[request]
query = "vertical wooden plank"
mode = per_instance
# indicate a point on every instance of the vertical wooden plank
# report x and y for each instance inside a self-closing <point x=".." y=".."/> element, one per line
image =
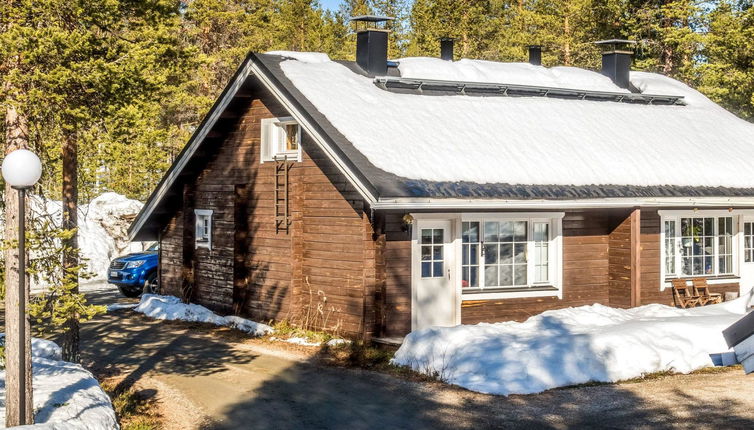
<point x="296" y="229"/>
<point x="188" y="284"/>
<point x="636" y="258"/>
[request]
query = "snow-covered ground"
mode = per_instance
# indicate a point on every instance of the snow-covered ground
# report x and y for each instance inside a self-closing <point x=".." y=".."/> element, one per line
<point x="66" y="397"/>
<point x="103" y="228"/>
<point x="171" y="308"/>
<point x="571" y="346"/>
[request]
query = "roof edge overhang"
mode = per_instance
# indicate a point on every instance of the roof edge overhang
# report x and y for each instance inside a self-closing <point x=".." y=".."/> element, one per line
<point x="618" y="202"/>
<point x="251" y="66"/>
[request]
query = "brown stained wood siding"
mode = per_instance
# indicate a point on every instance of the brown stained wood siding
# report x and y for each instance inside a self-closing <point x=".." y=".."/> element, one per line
<point x="328" y="254"/>
<point x="620" y="265"/>
<point x="171" y="256"/>
<point x="395" y="315"/>
<point x="333" y="247"/>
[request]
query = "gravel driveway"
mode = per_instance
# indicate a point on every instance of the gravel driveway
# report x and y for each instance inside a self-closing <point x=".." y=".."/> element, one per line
<point x="206" y="380"/>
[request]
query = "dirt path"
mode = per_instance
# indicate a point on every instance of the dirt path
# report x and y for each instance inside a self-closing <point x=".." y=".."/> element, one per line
<point x="206" y="379"/>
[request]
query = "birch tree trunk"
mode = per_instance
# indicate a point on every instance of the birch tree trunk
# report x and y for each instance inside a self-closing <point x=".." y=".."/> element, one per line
<point x="16" y="138"/>
<point x="71" y="257"/>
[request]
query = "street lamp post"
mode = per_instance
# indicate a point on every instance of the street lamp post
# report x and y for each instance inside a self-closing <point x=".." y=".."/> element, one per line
<point x="21" y="170"/>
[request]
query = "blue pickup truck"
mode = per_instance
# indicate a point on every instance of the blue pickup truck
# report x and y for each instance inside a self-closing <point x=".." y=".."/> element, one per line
<point x="135" y="273"/>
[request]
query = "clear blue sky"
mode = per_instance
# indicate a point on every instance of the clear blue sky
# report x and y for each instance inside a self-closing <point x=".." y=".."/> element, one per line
<point x="330" y="4"/>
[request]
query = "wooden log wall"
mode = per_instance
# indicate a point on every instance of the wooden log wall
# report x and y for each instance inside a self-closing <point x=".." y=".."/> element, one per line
<point x="171" y="256"/>
<point x="619" y="283"/>
<point x="325" y="271"/>
<point x="395" y="315"/>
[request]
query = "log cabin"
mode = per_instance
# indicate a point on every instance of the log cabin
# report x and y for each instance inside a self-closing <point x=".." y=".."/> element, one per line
<point x="377" y="197"/>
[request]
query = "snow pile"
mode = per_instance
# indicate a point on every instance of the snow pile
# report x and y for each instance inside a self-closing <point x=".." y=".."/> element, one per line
<point x="509" y="139"/>
<point x="41" y="348"/>
<point x="103" y="227"/>
<point x="121" y="306"/>
<point x="571" y="346"/>
<point x="171" y="308"/>
<point x="66" y="397"/>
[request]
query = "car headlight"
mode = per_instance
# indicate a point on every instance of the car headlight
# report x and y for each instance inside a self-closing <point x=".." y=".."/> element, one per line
<point x="135" y="263"/>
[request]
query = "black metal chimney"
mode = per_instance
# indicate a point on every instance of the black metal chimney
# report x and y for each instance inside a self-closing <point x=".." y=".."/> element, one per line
<point x="535" y="55"/>
<point x="616" y="60"/>
<point x="371" y="44"/>
<point x="446" y="48"/>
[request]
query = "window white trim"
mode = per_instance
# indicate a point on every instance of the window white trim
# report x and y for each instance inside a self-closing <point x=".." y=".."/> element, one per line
<point x="272" y="138"/>
<point x="555" y="256"/>
<point x="203" y="228"/>
<point x="737" y="245"/>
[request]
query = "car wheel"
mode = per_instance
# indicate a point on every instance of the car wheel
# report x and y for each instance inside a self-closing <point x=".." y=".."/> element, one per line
<point x="151" y="286"/>
<point x="129" y="291"/>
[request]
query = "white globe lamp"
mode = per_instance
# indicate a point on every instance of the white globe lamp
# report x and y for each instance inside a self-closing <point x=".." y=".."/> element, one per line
<point x="22" y="169"/>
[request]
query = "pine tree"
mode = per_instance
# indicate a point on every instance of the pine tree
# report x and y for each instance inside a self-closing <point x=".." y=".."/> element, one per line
<point x="726" y="74"/>
<point x="83" y="62"/>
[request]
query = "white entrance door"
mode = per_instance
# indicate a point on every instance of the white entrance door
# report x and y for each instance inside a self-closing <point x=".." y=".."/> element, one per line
<point x="747" y="262"/>
<point x="434" y="296"/>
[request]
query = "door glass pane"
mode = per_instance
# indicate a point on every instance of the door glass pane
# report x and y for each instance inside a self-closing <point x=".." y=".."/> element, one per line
<point x="437" y="271"/>
<point x="426" y="269"/>
<point x="432" y="252"/>
<point x="426" y="235"/>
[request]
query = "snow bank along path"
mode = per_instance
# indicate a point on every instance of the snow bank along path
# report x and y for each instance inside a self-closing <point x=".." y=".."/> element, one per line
<point x="571" y="346"/>
<point x="66" y="397"/>
<point x="171" y="308"/>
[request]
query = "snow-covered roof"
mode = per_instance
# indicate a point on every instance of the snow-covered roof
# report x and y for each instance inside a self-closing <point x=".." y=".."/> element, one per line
<point x="410" y="148"/>
<point x="528" y="140"/>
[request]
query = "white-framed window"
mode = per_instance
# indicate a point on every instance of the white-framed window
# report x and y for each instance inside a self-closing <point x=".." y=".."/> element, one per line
<point x="203" y="230"/>
<point x="281" y="138"/>
<point x="698" y="244"/>
<point x="504" y="252"/>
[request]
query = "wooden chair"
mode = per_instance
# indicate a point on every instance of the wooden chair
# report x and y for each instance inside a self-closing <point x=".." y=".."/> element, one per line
<point x="701" y="289"/>
<point x="682" y="296"/>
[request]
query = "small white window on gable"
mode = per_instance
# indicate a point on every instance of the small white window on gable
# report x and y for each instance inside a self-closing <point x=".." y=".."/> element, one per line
<point x="281" y="139"/>
<point x="203" y="237"/>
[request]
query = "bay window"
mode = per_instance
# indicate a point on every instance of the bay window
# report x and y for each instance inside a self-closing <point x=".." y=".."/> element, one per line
<point x="698" y="245"/>
<point x="500" y="253"/>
